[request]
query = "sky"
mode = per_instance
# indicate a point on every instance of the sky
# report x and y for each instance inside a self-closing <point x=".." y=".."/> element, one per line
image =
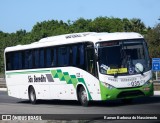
<point x="24" y="14"/>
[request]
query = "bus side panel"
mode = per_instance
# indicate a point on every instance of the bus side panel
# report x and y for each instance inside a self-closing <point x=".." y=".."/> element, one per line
<point x="57" y="83"/>
<point x="70" y="77"/>
<point x="64" y="92"/>
<point x="42" y="91"/>
<point x="23" y="91"/>
<point x="13" y="91"/>
<point x="17" y="85"/>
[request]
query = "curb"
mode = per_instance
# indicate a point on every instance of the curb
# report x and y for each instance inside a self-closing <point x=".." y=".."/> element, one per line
<point x="3" y="89"/>
<point x="156" y="93"/>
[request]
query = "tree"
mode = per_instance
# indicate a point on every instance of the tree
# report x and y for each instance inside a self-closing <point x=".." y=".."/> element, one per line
<point x="105" y="24"/>
<point x="153" y="39"/>
<point x="80" y="25"/>
<point x="138" y="26"/>
<point x="99" y="24"/>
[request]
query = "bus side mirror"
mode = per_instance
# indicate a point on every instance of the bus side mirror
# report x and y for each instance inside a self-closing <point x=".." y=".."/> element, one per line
<point x="150" y="62"/>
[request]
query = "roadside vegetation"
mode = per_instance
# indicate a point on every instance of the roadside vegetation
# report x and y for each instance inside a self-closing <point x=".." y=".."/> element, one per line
<point x="99" y="24"/>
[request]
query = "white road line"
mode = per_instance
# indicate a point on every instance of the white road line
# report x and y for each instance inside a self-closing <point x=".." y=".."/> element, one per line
<point x="3" y="89"/>
<point x="156" y="92"/>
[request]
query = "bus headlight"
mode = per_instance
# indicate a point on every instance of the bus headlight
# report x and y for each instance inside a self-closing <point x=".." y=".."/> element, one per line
<point x="151" y="81"/>
<point x="148" y="82"/>
<point x="107" y="85"/>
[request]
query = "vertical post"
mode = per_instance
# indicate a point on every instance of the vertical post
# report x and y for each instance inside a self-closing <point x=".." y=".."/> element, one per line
<point x="156" y="76"/>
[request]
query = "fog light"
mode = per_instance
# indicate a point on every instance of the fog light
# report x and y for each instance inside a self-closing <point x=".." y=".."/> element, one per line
<point x="146" y="89"/>
<point x="151" y="81"/>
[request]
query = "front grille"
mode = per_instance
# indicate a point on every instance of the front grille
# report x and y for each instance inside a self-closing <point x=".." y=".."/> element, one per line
<point x="130" y="94"/>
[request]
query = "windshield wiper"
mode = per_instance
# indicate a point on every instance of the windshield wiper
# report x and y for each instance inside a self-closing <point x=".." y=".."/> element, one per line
<point x="116" y="74"/>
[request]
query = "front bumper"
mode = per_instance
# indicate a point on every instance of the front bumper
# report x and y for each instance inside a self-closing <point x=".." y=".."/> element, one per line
<point x="126" y="93"/>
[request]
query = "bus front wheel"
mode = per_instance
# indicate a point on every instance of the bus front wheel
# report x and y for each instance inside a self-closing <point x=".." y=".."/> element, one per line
<point x="32" y="95"/>
<point x="83" y="96"/>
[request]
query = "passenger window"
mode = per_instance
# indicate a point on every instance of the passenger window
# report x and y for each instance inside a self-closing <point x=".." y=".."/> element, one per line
<point x="81" y="51"/>
<point x="14" y="61"/>
<point x="41" y="58"/>
<point x="9" y="61"/>
<point x="48" y="57"/>
<point x="63" y="56"/>
<point x="36" y="58"/>
<point x="54" y="60"/>
<point x="26" y="60"/>
<point x="74" y="53"/>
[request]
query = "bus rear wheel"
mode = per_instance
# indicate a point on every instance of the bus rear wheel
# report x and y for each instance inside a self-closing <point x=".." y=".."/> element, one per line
<point x="32" y="95"/>
<point x="83" y="96"/>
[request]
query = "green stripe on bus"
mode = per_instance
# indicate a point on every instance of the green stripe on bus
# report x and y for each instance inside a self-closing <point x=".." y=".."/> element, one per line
<point x="63" y="76"/>
<point x="70" y="79"/>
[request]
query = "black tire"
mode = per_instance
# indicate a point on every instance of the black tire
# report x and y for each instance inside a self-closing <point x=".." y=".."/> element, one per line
<point x="82" y="94"/>
<point x="32" y="95"/>
<point x="127" y="101"/>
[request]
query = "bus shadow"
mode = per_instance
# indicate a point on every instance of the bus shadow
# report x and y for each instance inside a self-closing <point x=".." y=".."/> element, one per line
<point x="115" y="103"/>
<point x="53" y="102"/>
<point x="136" y="101"/>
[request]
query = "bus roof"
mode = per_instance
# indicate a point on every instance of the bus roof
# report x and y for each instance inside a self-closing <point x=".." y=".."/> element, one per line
<point x="76" y="38"/>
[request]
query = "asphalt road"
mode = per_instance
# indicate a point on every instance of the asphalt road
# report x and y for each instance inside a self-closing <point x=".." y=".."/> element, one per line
<point x="10" y="105"/>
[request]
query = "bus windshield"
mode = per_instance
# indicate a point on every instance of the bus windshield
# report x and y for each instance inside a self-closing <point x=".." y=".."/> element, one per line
<point x="124" y="57"/>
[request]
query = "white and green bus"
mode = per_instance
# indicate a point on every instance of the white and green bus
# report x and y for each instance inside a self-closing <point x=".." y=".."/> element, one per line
<point x="85" y="66"/>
